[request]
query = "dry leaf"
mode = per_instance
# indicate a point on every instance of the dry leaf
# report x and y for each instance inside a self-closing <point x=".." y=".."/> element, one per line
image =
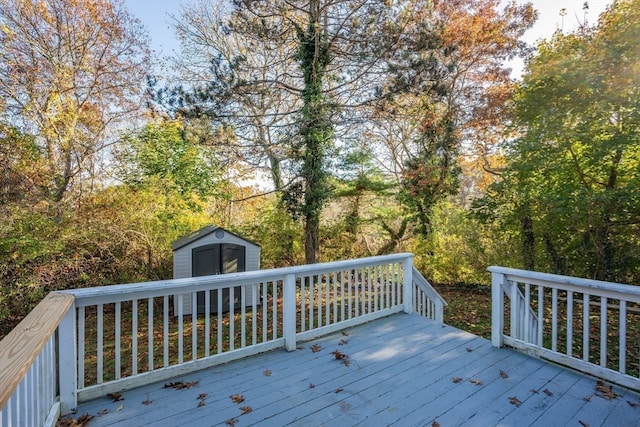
<point x="475" y="381"/>
<point x="316" y="348"/>
<point x="469" y="349"/>
<point x="514" y="401"/>
<point x="179" y="385"/>
<point x="338" y="390"/>
<point x="345" y="333"/>
<point x="266" y="373"/>
<point x="237" y="398"/>
<point x="343" y="342"/>
<point x="116" y="396"/>
<point x="75" y="422"/>
<point x="582" y="423"/>
<point x="119" y="408"/>
<point x="246" y="409"/>
<point x="202" y="396"/>
<point x="547" y="392"/>
<point x="456" y="379"/>
<point x="346" y="363"/>
<point x="103" y="412"/>
<point x="633" y="404"/>
<point x="339" y="356"/>
<point x="503" y="374"/>
<point x="312" y="385"/>
<point x="435" y="424"/>
<point x="587" y="398"/>
<point x="231" y="422"/>
<point x="201" y="404"/>
<point x="605" y="391"/>
<point x="147" y="402"/>
<point x="534" y="391"/>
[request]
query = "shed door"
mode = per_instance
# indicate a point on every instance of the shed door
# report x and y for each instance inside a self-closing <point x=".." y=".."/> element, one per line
<point x="218" y="258"/>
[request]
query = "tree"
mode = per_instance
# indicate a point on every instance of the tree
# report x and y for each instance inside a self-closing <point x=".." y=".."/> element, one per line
<point x="573" y="179"/>
<point x="70" y="72"/>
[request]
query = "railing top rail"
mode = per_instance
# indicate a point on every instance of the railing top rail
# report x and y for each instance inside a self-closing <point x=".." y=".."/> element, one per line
<point x="426" y="286"/>
<point x="161" y="287"/>
<point x="20" y="348"/>
<point x="594" y="285"/>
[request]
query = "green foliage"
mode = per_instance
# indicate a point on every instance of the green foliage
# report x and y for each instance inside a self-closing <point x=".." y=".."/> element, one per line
<point x="162" y="152"/>
<point x="571" y="190"/>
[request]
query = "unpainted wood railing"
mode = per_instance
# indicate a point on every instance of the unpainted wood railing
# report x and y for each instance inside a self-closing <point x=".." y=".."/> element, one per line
<point x="588" y="325"/>
<point x="118" y="337"/>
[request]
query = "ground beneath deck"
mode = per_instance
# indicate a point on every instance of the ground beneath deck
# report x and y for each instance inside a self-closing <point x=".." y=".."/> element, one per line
<point x="401" y="370"/>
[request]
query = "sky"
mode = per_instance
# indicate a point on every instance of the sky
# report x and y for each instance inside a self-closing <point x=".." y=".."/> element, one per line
<point x="155" y="16"/>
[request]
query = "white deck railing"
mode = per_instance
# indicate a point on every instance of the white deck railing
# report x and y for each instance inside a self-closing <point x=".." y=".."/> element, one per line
<point x="118" y="337"/>
<point x="588" y="325"/>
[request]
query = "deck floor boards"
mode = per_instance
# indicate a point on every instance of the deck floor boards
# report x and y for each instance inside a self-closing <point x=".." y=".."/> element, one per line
<point x="400" y="372"/>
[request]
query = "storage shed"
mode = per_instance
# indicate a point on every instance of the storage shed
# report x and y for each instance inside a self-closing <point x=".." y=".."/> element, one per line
<point x="213" y="250"/>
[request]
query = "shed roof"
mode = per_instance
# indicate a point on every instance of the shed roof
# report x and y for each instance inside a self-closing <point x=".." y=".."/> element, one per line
<point x="204" y="231"/>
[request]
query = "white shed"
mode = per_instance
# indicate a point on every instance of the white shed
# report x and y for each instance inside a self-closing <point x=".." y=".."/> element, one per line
<point x="213" y="250"/>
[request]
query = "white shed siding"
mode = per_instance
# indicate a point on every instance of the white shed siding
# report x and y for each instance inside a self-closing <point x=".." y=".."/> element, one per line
<point x="182" y="259"/>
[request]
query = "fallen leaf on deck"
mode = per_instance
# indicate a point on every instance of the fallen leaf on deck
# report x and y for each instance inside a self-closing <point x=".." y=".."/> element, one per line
<point x="74" y="422"/>
<point x="456" y="379"/>
<point x="338" y="390"/>
<point x="475" y="381"/>
<point x="515" y="401"/>
<point x="435" y="424"/>
<point x="147" y="402"/>
<point x="605" y="391"/>
<point x="503" y="374"/>
<point x="547" y="392"/>
<point x="339" y="356"/>
<point x="202" y="396"/>
<point x="343" y="342"/>
<point x="201" y="404"/>
<point x="231" y="422"/>
<point x="116" y="396"/>
<point x="312" y="385"/>
<point x="534" y="391"/>
<point x="633" y="404"/>
<point x="469" y="349"/>
<point x="246" y="409"/>
<point x="587" y="398"/>
<point x="346" y="363"/>
<point x="266" y="373"/>
<point x="316" y="348"/>
<point x="345" y="333"/>
<point x="582" y="423"/>
<point x="237" y="398"/>
<point x="119" y="408"/>
<point x="103" y="412"/>
<point x="179" y="385"/>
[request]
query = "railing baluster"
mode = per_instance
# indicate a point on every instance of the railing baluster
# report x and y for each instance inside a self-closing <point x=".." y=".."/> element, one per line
<point x="275" y="309"/>
<point x="369" y="291"/>
<point x="99" y="343"/>
<point x="207" y="323"/>
<point x="540" y="314"/>
<point x="232" y="318"/>
<point x="311" y="301"/>
<point x="303" y="298"/>
<point x="603" y="331"/>
<point x="181" y="327"/>
<point x="622" y="352"/>
<point x="586" y="330"/>
<point x="194" y="323"/>
<point x="569" y="323"/>
<point x="118" y="319"/>
<point x="334" y="281"/>
<point x="376" y="287"/>
<point x="342" y="299"/>
<point x="327" y="297"/>
<point x="150" y="333"/>
<point x="81" y="338"/>
<point x="254" y="309"/>
<point x="134" y="337"/>
<point x="526" y="311"/>
<point x="319" y="285"/>
<point x="554" y="319"/>
<point x="220" y="331"/>
<point x="243" y="317"/>
<point x="165" y="321"/>
<point x="265" y="312"/>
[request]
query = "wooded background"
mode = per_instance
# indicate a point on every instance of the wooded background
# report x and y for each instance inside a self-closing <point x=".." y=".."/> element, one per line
<point x="320" y="129"/>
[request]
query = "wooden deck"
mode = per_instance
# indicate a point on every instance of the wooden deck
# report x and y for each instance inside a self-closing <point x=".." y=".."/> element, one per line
<point x="401" y="370"/>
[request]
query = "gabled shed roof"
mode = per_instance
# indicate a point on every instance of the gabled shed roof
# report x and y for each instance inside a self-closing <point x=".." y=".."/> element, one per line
<point x="204" y="231"/>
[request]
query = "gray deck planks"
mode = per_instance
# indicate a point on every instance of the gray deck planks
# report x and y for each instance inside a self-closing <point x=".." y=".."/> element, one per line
<point x="400" y="374"/>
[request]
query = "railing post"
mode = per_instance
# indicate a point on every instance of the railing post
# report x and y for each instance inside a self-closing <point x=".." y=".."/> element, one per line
<point x="407" y="291"/>
<point x="439" y="315"/>
<point x="289" y="315"/>
<point x="68" y="362"/>
<point x="497" y="309"/>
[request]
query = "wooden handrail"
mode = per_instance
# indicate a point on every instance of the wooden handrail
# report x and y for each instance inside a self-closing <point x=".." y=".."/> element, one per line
<point x="20" y="348"/>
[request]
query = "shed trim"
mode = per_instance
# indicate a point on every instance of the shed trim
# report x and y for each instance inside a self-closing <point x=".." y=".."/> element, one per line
<point x="204" y="231"/>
